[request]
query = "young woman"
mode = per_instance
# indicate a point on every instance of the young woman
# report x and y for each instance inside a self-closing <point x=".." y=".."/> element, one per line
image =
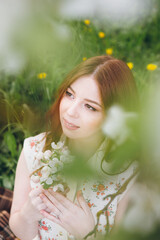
<point x="76" y="118"/>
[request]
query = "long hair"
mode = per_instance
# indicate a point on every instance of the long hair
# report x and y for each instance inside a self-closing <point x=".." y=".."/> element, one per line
<point x="116" y="84"/>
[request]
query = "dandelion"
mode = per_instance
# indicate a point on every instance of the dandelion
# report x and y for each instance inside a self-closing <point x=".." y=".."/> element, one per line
<point x="130" y="65"/>
<point x="41" y="75"/>
<point x="101" y="34"/>
<point x="151" y="67"/>
<point x="87" y="22"/>
<point x="84" y="58"/>
<point x="109" y="51"/>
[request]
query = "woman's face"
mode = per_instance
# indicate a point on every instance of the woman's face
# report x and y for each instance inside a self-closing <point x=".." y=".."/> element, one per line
<point x="81" y="109"/>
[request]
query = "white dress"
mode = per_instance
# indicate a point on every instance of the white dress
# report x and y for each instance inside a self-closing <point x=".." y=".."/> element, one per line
<point x="93" y="190"/>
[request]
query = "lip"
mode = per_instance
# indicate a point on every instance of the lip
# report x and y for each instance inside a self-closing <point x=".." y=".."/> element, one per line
<point x="72" y="125"/>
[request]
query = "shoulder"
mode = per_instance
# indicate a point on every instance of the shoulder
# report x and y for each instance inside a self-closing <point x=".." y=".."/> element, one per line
<point x="33" y="141"/>
<point x="31" y="146"/>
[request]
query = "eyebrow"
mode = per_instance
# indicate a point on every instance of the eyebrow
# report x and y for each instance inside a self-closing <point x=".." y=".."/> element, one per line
<point x="89" y="100"/>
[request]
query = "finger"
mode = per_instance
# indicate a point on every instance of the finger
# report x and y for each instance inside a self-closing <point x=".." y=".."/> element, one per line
<point x="52" y="202"/>
<point x="62" y="199"/>
<point x="50" y="206"/>
<point x="36" y="192"/>
<point x="36" y="201"/>
<point x="42" y="207"/>
<point x="82" y="202"/>
<point x="51" y="217"/>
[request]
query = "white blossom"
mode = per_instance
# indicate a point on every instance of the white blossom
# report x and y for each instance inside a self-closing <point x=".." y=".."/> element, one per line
<point x="39" y="155"/>
<point x="36" y="164"/>
<point x="60" y="144"/>
<point x="55" y="160"/>
<point x="35" y="179"/>
<point x="53" y="145"/>
<point x="143" y="214"/>
<point x="63" y="158"/>
<point x="45" y="171"/>
<point x="49" y="181"/>
<point x="51" y="164"/>
<point x="53" y="169"/>
<point x="60" y="187"/>
<point x="55" y="188"/>
<point x="115" y="125"/>
<point x="54" y="177"/>
<point x="65" y="151"/>
<point x="60" y="165"/>
<point x="47" y="154"/>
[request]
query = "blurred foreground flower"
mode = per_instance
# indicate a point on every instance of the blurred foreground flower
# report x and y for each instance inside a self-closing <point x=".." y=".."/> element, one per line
<point x="41" y="75"/>
<point x="84" y="58"/>
<point x="115" y="125"/>
<point x="101" y="34"/>
<point x="144" y="210"/>
<point x="87" y="22"/>
<point x="109" y="51"/>
<point x="130" y="65"/>
<point x="151" y="67"/>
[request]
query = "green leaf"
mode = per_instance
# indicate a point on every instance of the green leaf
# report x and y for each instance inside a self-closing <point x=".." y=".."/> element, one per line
<point x="7" y="182"/>
<point x="10" y="141"/>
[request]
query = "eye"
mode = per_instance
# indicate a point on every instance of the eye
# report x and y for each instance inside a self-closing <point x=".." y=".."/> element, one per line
<point x="67" y="93"/>
<point x="90" y="107"/>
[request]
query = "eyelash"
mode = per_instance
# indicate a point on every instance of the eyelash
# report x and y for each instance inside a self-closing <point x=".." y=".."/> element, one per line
<point x="88" y="106"/>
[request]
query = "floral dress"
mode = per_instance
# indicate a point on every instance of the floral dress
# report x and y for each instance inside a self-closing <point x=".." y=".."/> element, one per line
<point x="92" y="190"/>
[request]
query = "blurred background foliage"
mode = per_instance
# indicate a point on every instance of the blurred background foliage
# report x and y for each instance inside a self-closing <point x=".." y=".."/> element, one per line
<point x="49" y="46"/>
<point x="41" y="45"/>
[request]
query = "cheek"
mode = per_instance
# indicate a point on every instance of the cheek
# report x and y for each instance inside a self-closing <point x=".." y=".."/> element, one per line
<point x="62" y="106"/>
<point x="93" y="122"/>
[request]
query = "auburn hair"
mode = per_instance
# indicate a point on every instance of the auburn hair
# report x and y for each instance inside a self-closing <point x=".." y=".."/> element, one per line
<point x="116" y="84"/>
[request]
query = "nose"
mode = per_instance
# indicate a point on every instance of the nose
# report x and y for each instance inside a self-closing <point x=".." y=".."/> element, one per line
<point x="72" y="110"/>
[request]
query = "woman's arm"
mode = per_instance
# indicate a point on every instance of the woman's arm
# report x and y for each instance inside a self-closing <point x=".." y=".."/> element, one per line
<point x="26" y="205"/>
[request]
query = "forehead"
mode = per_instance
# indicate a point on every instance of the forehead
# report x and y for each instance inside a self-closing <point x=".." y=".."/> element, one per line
<point x="87" y="87"/>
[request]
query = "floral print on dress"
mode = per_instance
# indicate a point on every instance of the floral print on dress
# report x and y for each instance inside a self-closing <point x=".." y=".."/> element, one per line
<point x="90" y="204"/>
<point x="100" y="189"/>
<point x="93" y="191"/>
<point x="44" y="226"/>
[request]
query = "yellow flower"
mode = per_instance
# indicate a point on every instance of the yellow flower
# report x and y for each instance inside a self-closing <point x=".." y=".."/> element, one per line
<point x="84" y="58"/>
<point x="101" y="34"/>
<point x="151" y="67"/>
<point x="109" y="51"/>
<point x="41" y="75"/>
<point x="87" y="22"/>
<point x="130" y="65"/>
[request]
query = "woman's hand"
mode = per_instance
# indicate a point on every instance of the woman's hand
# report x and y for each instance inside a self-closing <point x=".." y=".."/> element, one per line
<point x="33" y="206"/>
<point x="77" y="220"/>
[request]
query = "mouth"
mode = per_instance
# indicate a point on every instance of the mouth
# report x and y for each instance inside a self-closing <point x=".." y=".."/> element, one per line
<point x="70" y="125"/>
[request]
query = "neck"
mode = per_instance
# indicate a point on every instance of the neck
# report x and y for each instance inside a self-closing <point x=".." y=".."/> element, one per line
<point x="85" y="147"/>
